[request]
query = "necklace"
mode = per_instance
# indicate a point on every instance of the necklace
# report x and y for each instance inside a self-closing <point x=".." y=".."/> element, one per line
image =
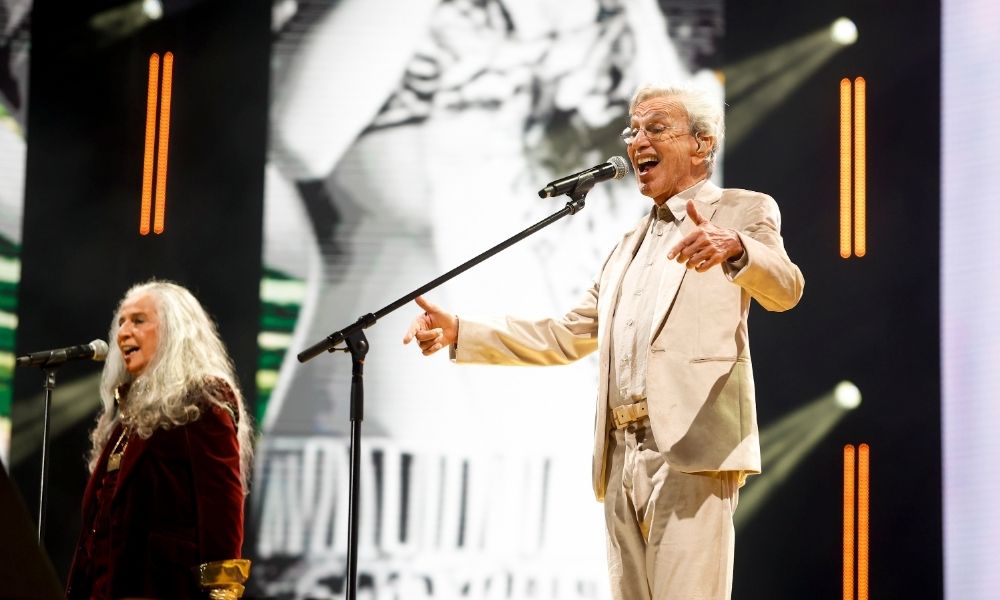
<point x="115" y="458"/>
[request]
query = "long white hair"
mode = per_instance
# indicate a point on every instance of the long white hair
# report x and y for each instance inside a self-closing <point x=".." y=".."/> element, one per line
<point x="189" y="356"/>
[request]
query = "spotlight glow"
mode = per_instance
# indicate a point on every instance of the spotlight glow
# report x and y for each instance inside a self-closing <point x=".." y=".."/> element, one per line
<point x="152" y="9"/>
<point x="847" y="395"/>
<point x="844" y="31"/>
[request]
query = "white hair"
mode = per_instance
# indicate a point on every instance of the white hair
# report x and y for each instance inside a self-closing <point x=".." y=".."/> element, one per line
<point x="704" y="112"/>
<point x="190" y="363"/>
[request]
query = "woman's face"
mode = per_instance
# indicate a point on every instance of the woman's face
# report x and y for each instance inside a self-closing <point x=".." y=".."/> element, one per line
<point x="138" y="332"/>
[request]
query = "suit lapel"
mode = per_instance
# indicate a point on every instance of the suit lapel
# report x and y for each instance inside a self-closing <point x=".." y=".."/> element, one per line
<point x="612" y="282"/>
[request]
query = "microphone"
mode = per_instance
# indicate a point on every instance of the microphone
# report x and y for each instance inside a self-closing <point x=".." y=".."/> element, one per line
<point x="95" y="350"/>
<point x="615" y="168"/>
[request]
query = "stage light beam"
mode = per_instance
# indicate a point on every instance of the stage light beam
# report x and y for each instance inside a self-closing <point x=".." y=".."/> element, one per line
<point x="758" y="85"/>
<point x="786" y="443"/>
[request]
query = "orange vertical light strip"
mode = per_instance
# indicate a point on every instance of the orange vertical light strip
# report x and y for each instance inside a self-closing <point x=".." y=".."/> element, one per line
<point x="845" y="167"/>
<point x="163" y="145"/>
<point x="152" y="91"/>
<point x="864" y="458"/>
<point x="860" y="245"/>
<point x="848" y="522"/>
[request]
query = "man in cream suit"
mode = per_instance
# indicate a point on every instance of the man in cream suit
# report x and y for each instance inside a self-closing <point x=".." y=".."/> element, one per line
<point x="676" y="426"/>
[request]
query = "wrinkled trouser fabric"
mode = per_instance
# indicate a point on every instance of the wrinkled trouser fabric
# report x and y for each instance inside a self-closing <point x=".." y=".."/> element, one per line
<point x="670" y="534"/>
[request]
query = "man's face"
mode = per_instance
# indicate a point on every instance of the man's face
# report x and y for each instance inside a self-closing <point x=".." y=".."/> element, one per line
<point x="668" y="165"/>
<point x="138" y="332"/>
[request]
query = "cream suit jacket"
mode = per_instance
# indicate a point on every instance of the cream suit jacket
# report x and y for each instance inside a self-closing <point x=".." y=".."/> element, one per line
<point x="699" y="381"/>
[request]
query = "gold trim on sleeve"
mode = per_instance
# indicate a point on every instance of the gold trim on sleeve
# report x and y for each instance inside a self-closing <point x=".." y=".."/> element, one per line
<point x="224" y="579"/>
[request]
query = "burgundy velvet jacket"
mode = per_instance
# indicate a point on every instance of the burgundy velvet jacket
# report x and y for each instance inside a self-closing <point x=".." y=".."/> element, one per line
<point x="177" y="502"/>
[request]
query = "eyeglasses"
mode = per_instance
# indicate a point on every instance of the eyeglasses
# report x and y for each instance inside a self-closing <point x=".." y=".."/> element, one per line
<point x="655" y="132"/>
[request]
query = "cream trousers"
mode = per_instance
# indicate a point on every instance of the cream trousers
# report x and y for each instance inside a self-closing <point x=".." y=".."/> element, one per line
<point x="670" y="533"/>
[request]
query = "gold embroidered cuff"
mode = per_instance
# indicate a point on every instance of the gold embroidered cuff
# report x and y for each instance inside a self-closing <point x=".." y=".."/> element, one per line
<point x="224" y="579"/>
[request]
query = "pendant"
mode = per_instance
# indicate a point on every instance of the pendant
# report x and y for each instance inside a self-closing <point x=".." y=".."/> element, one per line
<point x="114" y="461"/>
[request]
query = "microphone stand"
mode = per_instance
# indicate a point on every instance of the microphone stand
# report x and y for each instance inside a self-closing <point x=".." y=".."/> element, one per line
<point x="50" y="362"/>
<point x="356" y="343"/>
<point x="49" y="385"/>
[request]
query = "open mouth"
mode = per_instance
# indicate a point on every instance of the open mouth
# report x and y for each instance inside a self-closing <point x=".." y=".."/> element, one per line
<point x="645" y="164"/>
<point x="129" y="350"/>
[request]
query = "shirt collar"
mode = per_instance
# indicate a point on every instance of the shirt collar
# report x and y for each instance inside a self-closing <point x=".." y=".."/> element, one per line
<point x="675" y="208"/>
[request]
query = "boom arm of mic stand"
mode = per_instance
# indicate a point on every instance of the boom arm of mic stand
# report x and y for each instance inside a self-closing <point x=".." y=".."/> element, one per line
<point x="329" y="343"/>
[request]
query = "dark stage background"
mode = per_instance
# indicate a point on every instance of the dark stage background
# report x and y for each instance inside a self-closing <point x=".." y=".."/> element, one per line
<point x="873" y="321"/>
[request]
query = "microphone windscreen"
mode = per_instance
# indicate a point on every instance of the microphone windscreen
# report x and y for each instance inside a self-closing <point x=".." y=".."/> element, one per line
<point x="621" y="166"/>
<point x="100" y="349"/>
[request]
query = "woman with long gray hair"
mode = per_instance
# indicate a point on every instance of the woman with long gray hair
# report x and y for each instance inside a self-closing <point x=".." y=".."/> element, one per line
<point x="169" y="460"/>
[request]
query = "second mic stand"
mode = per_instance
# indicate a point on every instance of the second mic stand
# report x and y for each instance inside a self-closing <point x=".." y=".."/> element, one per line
<point x="357" y="344"/>
<point x="49" y="385"/>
